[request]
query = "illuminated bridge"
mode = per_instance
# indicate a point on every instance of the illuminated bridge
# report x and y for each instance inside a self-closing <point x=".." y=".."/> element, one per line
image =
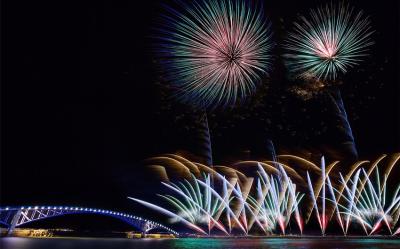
<point x="13" y="217"/>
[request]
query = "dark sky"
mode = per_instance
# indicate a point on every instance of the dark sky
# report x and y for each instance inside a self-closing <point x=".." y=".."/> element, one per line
<point x="80" y="107"/>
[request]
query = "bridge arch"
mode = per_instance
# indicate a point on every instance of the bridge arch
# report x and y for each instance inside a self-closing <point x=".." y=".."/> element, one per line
<point x="13" y="217"/>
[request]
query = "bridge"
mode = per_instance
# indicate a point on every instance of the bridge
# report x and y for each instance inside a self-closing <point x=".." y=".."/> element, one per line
<point x="13" y="217"/>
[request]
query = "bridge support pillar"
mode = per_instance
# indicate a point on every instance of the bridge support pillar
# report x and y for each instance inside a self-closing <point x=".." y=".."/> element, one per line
<point x="14" y="222"/>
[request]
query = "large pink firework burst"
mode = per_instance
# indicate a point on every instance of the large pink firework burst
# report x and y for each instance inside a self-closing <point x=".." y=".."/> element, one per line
<point x="215" y="52"/>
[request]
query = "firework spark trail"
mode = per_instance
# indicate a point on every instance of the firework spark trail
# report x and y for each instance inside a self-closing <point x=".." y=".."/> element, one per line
<point x="190" y="211"/>
<point x="270" y="205"/>
<point x="239" y="195"/>
<point x="276" y="200"/>
<point x="169" y="213"/>
<point x="336" y="206"/>
<point x="396" y="210"/>
<point x="206" y="212"/>
<point x="360" y="197"/>
<point x="329" y="41"/>
<point x="351" y="210"/>
<point x="257" y="203"/>
<point x="397" y="231"/>
<point x="295" y="197"/>
<point x="353" y="169"/>
<point x="215" y="51"/>
<point x="226" y="193"/>
<point x="329" y="210"/>
<point x="314" y="200"/>
<point x="351" y="194"/>
<point x="370" y="170"/>
<point x="323" y="218"/>
<point x="379" y="203"/>
<point x="319" y="191"/>
<point x="231" y="213"/>
<point x="367" y="204"/>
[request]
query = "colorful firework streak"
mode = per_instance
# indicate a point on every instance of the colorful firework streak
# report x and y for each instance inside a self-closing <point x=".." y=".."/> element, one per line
<point x="215" y="52"/>
<point x="271" y="200"/>
<point x="198" y="203"/>
<point x="328" y="42"/>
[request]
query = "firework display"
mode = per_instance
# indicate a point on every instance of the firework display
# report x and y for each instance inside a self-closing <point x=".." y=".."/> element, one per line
<point x="236" y="204"/>
<point x="214" y="52"/>
<point x="201" y="124"/>
<point x="327" y="42"/>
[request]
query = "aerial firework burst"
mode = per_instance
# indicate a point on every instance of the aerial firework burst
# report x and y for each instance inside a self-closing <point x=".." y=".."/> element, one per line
<point x="214" y="52"/>
<point x="329" y="41"/>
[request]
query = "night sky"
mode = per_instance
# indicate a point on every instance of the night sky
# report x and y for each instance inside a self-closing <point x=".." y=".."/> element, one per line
<point x="82" y="105"/>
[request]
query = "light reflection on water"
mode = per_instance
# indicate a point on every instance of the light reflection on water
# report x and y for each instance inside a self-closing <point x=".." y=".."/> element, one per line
<point x="271" y="243"/>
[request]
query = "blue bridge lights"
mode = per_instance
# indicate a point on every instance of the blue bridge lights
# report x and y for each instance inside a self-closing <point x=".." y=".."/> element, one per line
<point x="13" y="217"/>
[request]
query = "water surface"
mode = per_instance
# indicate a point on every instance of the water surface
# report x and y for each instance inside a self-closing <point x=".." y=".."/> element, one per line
<point x="189" y="243"/>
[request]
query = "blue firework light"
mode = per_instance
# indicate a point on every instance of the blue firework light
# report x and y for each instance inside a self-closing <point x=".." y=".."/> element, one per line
<point x="215" y="52"/>
<point x="328" y="42"/>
